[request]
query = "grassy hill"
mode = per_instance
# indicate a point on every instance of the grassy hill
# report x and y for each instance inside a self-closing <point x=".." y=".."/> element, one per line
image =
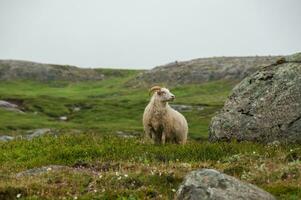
<point x="104" y="106"/>
<point x="90" y="160"/>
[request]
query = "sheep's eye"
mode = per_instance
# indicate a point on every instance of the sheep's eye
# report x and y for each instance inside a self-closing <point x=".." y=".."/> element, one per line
<point x="161" y="92"/>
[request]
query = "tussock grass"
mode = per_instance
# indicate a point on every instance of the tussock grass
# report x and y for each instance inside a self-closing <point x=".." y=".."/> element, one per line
<point x="130" y="168"/>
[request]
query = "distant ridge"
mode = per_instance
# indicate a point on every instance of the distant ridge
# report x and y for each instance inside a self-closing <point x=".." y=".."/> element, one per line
<point x="202" y="70"/>
<point x="26" y="70"/>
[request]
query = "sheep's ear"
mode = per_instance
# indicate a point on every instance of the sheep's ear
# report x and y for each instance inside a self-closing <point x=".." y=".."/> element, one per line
<point x="159" y="92"/>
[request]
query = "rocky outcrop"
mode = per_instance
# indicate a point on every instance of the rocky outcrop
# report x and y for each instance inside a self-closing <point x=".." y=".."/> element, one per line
<point x="24" y="70"/>
<point x="265" y="106"/>
<point x="209" y="184"/>
<point x="203" y="70"/>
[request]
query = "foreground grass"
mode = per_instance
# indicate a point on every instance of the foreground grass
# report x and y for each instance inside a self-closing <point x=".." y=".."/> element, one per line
<point x="111" y="167"/>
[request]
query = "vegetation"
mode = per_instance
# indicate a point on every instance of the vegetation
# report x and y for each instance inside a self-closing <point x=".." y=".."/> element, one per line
<point x="105" y="106"/>
<point x="89" y="161"/>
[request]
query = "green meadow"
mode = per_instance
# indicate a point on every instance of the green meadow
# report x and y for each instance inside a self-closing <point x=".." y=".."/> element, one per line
<point x="89" y="159"/>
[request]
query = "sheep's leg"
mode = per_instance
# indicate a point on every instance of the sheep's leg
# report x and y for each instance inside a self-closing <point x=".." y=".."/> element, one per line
<point x="154" y="137"/>
<point x="149" y="134"/>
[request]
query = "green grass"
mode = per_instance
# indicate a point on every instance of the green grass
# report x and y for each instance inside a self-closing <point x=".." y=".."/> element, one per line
<point x="97" y="165"/>
<point x="106" y="106"/>
<point x="131" y="168"/>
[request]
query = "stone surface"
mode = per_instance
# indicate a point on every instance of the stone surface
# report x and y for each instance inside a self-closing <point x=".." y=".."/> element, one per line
<point x="29" y="135"/>
<point x="24" y="70"/>
<point x="76" y="109"/>
<point x="9" y="106"/>
<point x="126" y="134"/>
<point x="186" y="108"/>
<point x="39" y="132"/>
<point x="41" y="170"/>
<point x="265" y="107"/>
<point x="63" y="118"/>
<point x="209" y="184"/>
<point x="203" y="70"/>
<point x="6" y="138"/>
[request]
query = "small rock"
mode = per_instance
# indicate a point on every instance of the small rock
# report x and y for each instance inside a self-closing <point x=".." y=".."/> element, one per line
<point x="76" y="109"/>
<point x="210" y="184"/>
<point x="126" y="134"/>
<point x="274" y="143"/>
<point x="9" y="106"/>
<point x="186" y="108"/>
<point x="181" y="108"/>
<point x="63" y="118"/>
<point x="41" y="170"/>
<point x="5" y="138"/>
<point x="5" y="104"/>
<point x="39" y="132"/>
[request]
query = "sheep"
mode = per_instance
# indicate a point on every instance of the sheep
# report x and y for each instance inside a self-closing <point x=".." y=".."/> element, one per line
<point x="161" y="122"/>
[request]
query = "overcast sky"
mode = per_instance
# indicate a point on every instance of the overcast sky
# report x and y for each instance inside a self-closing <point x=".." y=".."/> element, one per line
<point x="146" y="33"/>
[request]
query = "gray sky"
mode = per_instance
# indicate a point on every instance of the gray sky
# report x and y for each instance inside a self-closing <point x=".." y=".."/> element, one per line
<point x="146" y="33"/>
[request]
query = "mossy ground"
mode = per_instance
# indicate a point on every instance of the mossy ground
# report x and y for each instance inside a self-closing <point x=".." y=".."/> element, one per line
<point x="98" y="165"/>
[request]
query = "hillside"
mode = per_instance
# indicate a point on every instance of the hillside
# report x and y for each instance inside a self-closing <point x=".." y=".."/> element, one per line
<point x="83" y="140"/>
<point x="203" y="70"/>
<point x="25" y="70"/>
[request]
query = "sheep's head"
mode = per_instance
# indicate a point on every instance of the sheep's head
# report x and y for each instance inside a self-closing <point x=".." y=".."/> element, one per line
<point x="163" y="94"/>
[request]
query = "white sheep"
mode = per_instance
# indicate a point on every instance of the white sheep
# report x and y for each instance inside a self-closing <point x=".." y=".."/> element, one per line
<point x="161" y="122"/>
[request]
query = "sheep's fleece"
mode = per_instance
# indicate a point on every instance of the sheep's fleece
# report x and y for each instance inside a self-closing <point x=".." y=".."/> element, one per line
<point x="161" y="122"/>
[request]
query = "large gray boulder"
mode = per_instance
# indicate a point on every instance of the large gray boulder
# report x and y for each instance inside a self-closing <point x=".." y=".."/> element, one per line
<point x="264" y="107"/>
<point x="209" y="184"/>
<point x="202" y="70"/>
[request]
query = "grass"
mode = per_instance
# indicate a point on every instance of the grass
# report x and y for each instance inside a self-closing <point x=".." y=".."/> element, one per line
<point x="95" y="164"/>
<point x="106" y="106"/>
<point x="112" y="167"/>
